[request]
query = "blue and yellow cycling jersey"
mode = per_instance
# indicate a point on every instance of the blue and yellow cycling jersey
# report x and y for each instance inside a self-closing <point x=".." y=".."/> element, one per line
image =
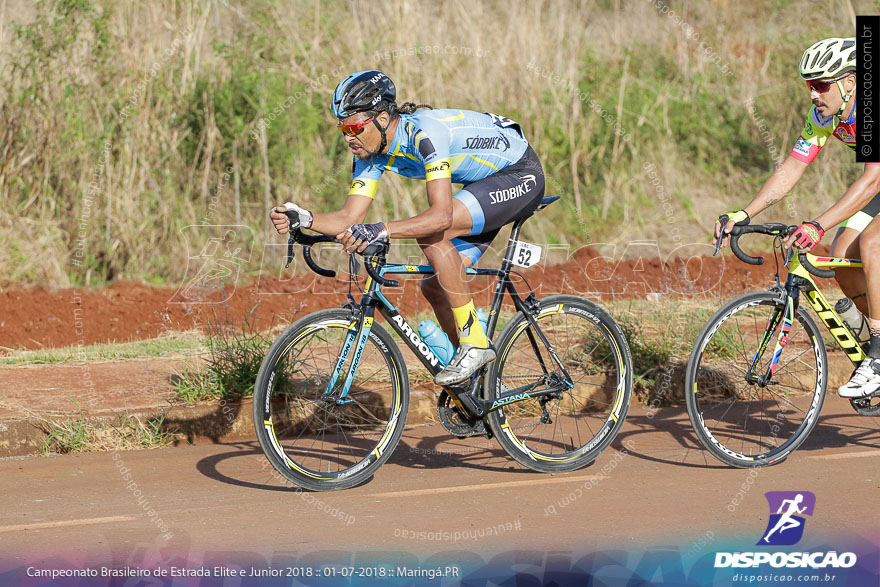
<point x="462" y="145"/>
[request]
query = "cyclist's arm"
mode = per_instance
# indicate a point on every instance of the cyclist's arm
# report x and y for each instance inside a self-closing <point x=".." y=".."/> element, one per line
<point x="352" y="212"/>
<point x="777" y="186"/>
<point x="855" y="198"/>
<point x="364" y="184"/>
<point x="437" y="218"/>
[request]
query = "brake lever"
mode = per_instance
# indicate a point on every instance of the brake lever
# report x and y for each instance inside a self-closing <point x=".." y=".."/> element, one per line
<point x="355" y="265"/>
<point x="723" y="221"/>
<point x="291" y="230"/>
<point x="787" y="256"/>
<point x="290" y="242"/>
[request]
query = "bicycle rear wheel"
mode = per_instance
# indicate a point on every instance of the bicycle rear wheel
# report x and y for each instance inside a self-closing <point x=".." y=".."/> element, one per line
<point x="566" y="430"/>
<point x="308" y="437"/>
<point x="752" y="424"/>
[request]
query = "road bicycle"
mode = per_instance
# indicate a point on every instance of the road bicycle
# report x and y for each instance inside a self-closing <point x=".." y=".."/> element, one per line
<point x="751" y="407"/>
<point x="332" y="394"/>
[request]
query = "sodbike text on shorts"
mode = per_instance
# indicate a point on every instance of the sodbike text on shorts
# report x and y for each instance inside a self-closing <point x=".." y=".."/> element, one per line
<point x="789" y="560"/>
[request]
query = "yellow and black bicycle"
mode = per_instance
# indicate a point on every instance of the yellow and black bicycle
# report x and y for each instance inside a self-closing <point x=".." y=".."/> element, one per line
<point x="332" y="394"/>
<point x="752" y="406"/>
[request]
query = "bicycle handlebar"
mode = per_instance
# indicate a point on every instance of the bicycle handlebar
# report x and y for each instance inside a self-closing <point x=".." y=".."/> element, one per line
<point x="374" y="251"/>
<point x="377" y="251"/>
<point x="774" y="229"/>
<point x="828" y="273"/>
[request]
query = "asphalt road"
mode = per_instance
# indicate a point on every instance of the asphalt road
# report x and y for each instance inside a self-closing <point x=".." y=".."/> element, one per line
<point x="436" y="494"/>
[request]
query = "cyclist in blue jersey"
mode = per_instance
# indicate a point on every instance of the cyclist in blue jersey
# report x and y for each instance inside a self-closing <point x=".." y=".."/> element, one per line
<point x="487" y="154"/>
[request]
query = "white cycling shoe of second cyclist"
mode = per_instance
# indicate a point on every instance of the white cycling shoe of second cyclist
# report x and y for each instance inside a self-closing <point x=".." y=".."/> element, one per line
<point x="467" y="360"/>
<point x="864" y="382"/>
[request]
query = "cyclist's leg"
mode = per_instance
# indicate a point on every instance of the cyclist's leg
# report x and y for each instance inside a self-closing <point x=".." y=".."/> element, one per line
<point x="435" y="287"/>
<point x="450" y="277"/>
<point x="846" y="244"/>
<point x="866" y="379"/>
<point x="870" y="247"/>
<point x="510" y="193"/>
<point x="470" y="249"/>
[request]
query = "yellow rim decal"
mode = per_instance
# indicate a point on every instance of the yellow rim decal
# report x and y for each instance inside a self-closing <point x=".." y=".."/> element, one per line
<point x="289" y="462"/>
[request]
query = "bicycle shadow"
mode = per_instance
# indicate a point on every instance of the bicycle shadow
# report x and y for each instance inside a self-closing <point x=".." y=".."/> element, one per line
<point x="682" y="448"/>
<point x="446" y="451"/>
<point x="671" y="440"/>
<point x="266" y="478"/>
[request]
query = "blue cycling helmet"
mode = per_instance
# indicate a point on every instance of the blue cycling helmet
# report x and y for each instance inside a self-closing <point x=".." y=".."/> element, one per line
<point x="363" y="91"/>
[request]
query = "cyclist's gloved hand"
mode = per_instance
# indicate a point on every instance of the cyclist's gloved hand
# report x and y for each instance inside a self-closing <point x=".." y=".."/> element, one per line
<point x="726" y="222"/>
<point x="806" y="236"/>
<point x="359" y="236"/>
<point x="302" y="217"/>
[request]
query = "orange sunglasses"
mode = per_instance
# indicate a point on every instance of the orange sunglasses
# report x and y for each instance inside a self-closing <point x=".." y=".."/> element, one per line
<point x="353" y="129"/>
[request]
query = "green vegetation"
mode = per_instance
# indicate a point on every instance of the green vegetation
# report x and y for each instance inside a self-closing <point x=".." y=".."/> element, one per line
<point x="235" y="353"/>
<point x="168" y="344"/>
<point x="87" y="434"/>
<point x="123" y="124"/>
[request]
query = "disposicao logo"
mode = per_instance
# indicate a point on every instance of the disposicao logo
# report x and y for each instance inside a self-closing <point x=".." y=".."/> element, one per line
<point x="786" y="528"/>
<point x="787" y="511"/>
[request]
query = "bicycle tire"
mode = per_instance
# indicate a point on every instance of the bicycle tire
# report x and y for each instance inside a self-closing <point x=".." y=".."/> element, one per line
<point x="295" y="426"/>
<point x="601" y="399"/>
<point x="712" y="407"/>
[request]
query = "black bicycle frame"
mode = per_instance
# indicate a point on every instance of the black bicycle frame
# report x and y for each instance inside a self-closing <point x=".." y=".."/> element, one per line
<point x="468" y="395"/>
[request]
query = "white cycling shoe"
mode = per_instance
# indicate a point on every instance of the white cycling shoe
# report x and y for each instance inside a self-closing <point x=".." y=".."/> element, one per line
<point x="864" y="382"/>
<point x="467" y="360"/>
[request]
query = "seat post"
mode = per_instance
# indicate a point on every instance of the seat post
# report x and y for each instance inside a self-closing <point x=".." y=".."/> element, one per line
<point x="511" y="245"/>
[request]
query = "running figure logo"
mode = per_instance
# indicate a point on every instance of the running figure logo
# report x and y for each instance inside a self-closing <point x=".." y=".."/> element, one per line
<point x="786" y="525"/>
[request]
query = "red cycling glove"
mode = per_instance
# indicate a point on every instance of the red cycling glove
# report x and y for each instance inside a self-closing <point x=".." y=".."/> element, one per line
<point x="808" y="235"/>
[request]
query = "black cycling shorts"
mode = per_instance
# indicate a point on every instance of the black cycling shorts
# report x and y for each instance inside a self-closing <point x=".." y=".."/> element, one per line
<point x="861" y="219"/>
<point x="504" y="197"/>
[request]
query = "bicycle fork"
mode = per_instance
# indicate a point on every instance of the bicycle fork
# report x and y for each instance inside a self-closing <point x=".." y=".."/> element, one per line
<point x="786" y="317"/>
<point x="358" y="330"/>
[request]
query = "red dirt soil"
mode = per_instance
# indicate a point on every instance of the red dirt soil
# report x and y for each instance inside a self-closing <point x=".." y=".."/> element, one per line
<point x="125" y="311"/>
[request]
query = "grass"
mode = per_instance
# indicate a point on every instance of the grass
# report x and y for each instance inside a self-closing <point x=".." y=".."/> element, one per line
<point x="88" y="435"/>
<point x="91" y="130"/>
<point x="661" y="336"/>
<point x="235" y="353"/>
<point x="167" y="344"/>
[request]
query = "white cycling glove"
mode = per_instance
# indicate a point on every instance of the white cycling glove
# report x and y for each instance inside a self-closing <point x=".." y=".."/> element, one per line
<point x="305" y="217"/>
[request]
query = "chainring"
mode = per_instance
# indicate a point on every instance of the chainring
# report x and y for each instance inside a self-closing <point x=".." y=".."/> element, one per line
<point x="867" y="406"/>
<point x="455" y="422"/>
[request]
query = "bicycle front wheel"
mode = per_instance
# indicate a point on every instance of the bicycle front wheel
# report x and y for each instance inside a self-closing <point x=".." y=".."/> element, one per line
<point x="312" y="436"/>
<point x="743" y="418"/>
<point x="563" y="430"/>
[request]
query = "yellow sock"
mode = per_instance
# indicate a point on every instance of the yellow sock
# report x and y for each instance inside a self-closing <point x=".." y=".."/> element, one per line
<point x="469" y="328"/>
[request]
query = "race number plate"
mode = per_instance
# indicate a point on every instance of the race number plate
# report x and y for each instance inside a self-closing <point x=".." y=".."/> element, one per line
<point x="526" y="254"/>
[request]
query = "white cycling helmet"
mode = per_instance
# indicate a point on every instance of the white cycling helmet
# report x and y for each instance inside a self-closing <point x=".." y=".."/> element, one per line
<point x="828" y="59"/>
